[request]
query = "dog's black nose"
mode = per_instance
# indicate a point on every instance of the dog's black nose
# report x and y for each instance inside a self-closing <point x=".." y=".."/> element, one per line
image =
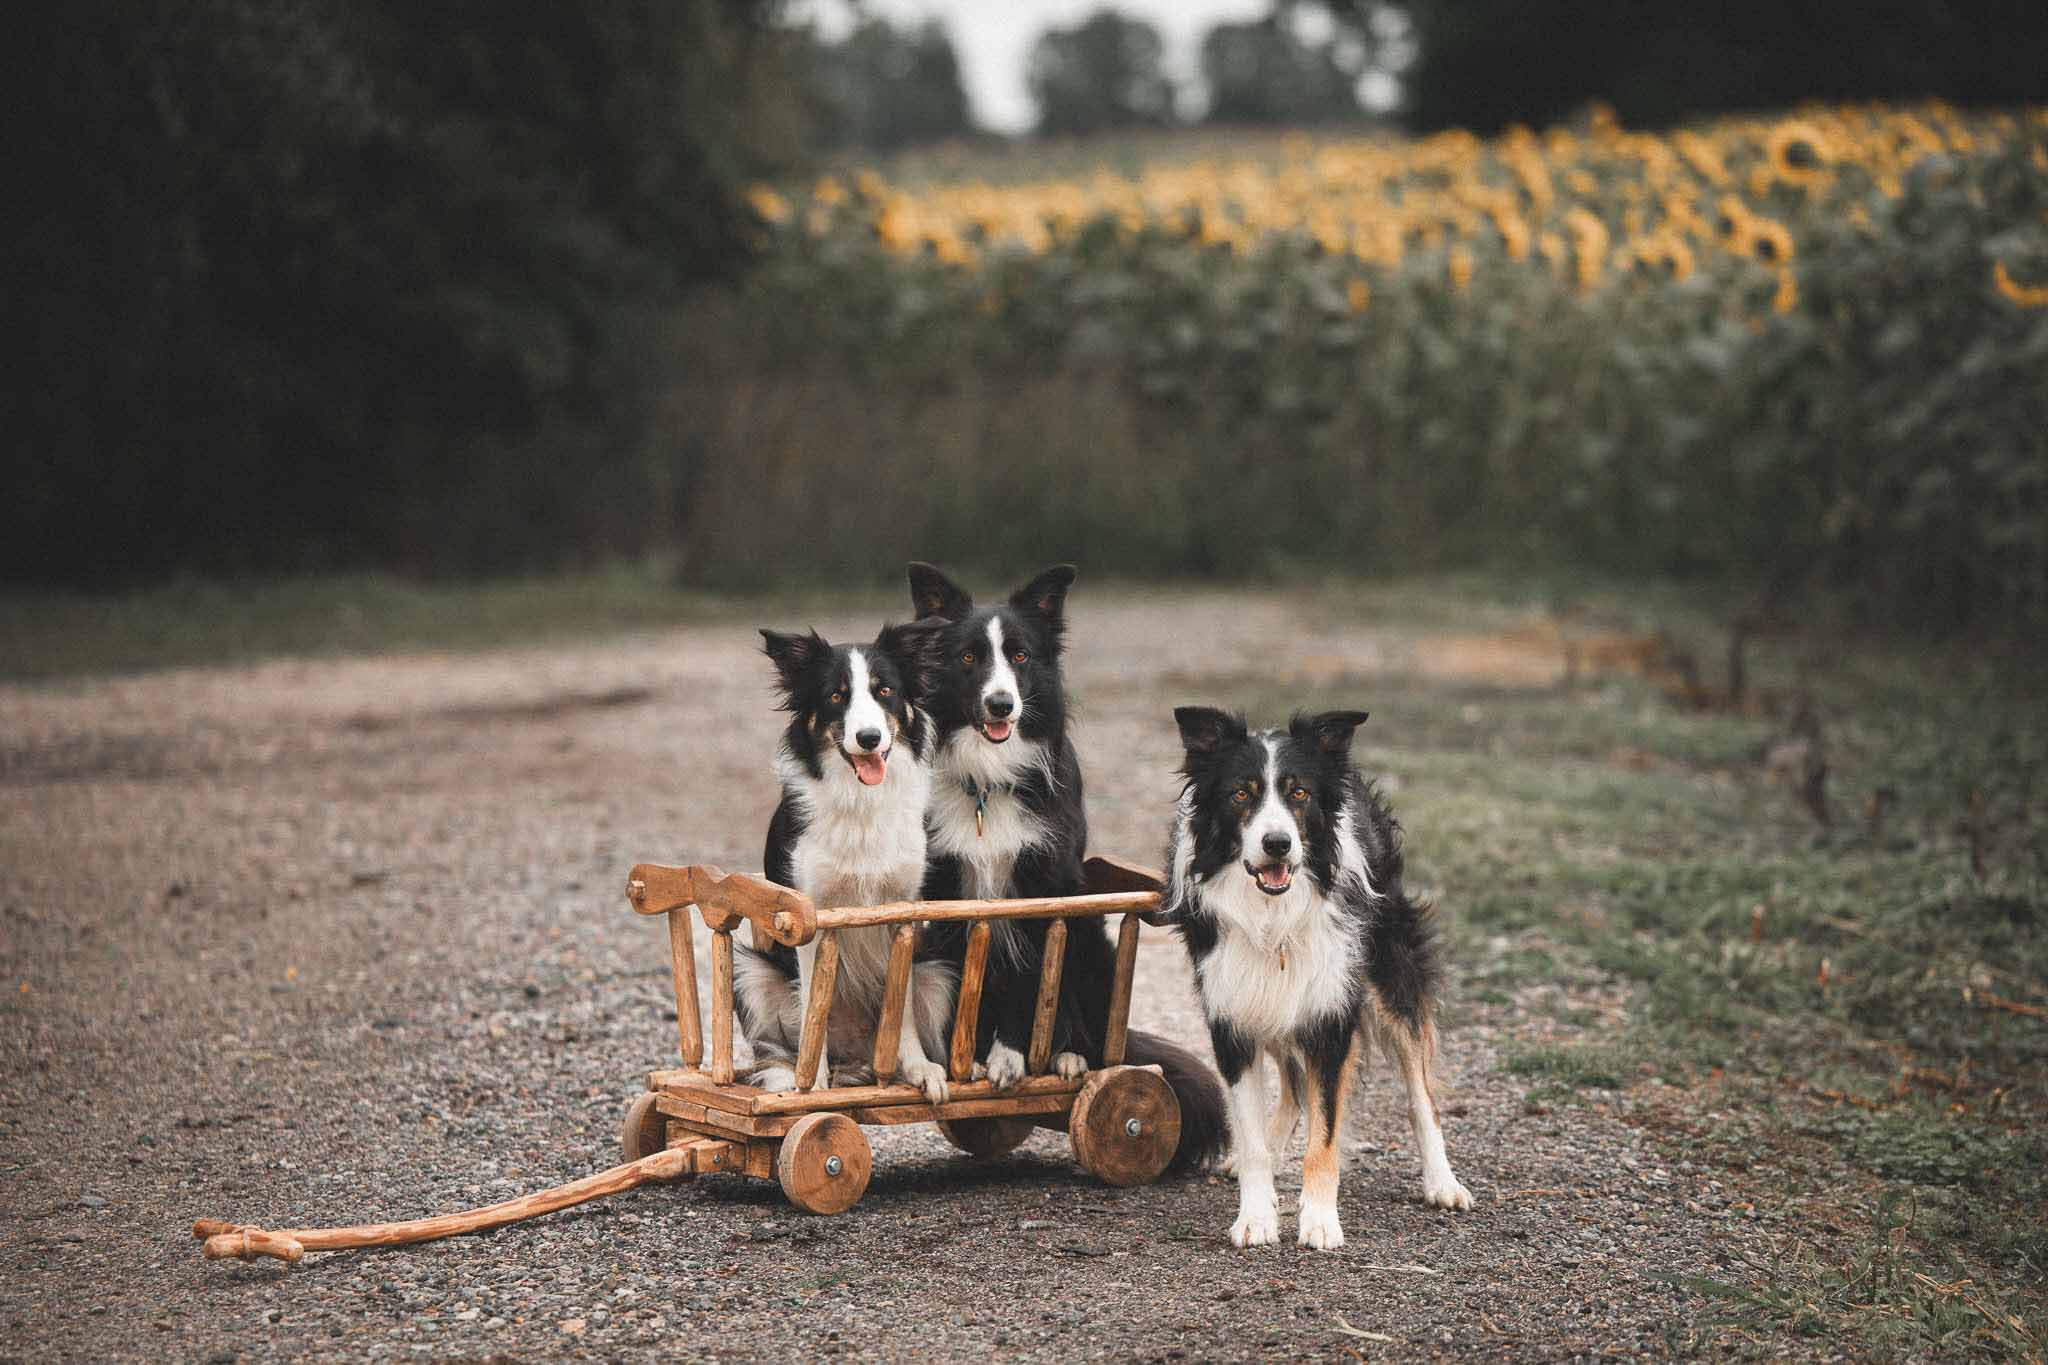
<point x="1001" y="705"/>
<point x="868" y="739"/>
<point x="1277" y="845"/>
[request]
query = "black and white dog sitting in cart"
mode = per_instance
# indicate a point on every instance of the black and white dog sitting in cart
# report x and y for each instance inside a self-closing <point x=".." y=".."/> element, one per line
<point x="1008" y="820"/>
<point x="856" y="770"/>
<point x="1284" y="883"/>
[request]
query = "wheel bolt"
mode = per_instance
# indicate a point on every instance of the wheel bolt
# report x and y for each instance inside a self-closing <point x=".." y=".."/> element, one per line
<point x="833" y="1165"/>
<point x="1132" y="1127"/>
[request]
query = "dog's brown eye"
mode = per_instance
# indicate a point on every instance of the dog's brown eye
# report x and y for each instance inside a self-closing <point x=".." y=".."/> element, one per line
<point x="968" y="658"/>
<point x="1299" y="794"/>
<point x="884" y="690"/>
<point x="1241" y="795"/>
<point x="1019" y="657"/>
<point x="838" y="697"/>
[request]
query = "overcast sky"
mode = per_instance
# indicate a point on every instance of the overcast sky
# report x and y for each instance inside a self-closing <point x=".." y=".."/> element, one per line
<point x="994" y="36"/>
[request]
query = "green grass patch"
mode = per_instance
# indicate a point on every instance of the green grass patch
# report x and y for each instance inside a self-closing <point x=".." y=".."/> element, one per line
<point x="1602" y="1068"/>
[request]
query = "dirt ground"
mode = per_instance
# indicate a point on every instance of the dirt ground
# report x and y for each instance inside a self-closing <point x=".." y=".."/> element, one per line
<point x="311" y="942"/>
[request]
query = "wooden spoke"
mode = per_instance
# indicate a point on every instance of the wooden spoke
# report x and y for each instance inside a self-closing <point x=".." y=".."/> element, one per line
<point x="1120" y="992"/>
<point x="817" y="1012"/>
<point x="968" y="1010"/>
<point x="682" y="959"/>
<point x="721" y="1007"/>
<point x="1039" y="1057"/>
<point x="895" y="999"/>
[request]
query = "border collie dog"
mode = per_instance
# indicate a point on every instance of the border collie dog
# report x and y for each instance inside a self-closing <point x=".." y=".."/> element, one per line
<point x="1007" y="819"/>
<point x="1285" y="887"/>
<point x="856" y="767"/>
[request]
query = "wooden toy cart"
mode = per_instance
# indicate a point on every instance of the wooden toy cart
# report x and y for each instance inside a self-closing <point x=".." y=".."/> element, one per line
<point x="1123" y="1121"/>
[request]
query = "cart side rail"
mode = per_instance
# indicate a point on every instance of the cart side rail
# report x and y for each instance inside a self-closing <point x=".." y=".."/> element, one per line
<point x="725" y="900"/>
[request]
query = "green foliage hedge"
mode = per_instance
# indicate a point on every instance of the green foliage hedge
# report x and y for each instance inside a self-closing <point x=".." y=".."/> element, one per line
<point x="1154" y="406"/>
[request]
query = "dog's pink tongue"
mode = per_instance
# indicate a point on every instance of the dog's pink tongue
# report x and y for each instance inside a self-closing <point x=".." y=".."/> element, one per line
<point x="1275" y="877"/>
<point x="870" y="768"/>
<point x="998" y="729"/>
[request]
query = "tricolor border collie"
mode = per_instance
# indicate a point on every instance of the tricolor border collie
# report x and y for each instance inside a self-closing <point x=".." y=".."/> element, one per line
<point x="1007" y="819"/>
<point x="856" y="770"/>
<point x="1285" y="886"/>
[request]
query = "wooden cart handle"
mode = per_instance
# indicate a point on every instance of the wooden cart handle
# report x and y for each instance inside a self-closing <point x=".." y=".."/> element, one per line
<point x="724" y="899"/>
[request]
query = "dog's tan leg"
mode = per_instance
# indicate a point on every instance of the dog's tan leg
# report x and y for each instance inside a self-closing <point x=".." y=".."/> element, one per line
<point x="1320" y="1226"/>
<point x="1414" y="1054"/>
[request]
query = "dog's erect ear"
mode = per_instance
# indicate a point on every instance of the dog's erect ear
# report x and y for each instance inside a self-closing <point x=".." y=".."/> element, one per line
<point x="1330" y="731"/>
<point x="1205" y="731"/>
<point x="792" y="654"/>
<point x="934" y="594"/>
<point x="1046" y="595"/>
<point x="918" y="649"/>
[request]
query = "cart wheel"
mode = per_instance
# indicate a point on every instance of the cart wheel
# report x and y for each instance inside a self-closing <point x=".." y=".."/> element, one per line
<point x="1125" y="1126"/>
<point x="646" y="1129"/>
<point x="824" y="1163"/>
<point x="992" y="1137"/>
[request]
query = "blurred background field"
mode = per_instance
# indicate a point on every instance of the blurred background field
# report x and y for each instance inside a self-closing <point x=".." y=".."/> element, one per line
<point x="753" y="294"/>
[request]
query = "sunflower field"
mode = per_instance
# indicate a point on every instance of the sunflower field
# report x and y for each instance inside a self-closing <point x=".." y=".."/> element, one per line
<point x="1803" y="352"/>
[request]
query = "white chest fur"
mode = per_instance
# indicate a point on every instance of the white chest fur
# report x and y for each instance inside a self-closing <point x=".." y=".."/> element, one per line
<point x="988" y="847"/>
<point x="860" y="845"/>
<point x="1280" y="963"/>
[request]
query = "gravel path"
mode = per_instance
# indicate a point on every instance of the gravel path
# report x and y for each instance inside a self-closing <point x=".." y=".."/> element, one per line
<point x="323" y="942"/>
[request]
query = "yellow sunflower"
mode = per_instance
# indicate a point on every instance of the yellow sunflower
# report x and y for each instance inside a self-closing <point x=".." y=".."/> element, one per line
<point x="2023" y="295"/>
<point x="1800" y="153"/>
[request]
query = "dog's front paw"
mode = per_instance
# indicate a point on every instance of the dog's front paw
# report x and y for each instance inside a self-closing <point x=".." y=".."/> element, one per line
<point x="1070" y="1066"/>
<point x="1320" y="1228"/>
<point x="929" y="1077"/>
<point x="779" y="1079"/>
<point x="1445" y="1192"/>
<point x="1256" y="1227"/>
<point x="1005" y="1066"/>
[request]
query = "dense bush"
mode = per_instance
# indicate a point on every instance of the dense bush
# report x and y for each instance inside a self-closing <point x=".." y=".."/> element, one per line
<point x="1803" y="353"/>
<point x="323" y="282"/>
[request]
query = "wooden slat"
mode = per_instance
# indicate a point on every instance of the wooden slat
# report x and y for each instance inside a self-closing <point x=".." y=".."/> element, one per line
<point x="895" y="998"/>
<point x="721" y="1007"/>
<point x="682" y="959"/>
<point x="1008" y="1107"/>
<point x="723" y="1122"/>
<point x="968" y="1009"/>
<point x="696" y="1085"/>
<point x="817" y="1011"/>
<point x="867" y="1096"/>
<point x="1039" y="1056"/>
<point x="1120" y="993"/>
<point x="1042" y="907"/>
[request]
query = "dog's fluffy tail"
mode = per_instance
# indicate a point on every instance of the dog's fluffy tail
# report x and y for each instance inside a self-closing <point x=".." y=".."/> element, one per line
<point x="1204" y="1135"/>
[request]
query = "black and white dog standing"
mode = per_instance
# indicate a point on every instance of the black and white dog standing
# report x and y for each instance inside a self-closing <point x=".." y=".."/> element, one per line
<point x="856" y="770"/>
<point x="1007" y="818"/>
<point x="1285" y="885"/>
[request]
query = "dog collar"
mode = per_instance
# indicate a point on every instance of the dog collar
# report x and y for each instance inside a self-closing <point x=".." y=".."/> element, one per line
<point x="981" y="793"/>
